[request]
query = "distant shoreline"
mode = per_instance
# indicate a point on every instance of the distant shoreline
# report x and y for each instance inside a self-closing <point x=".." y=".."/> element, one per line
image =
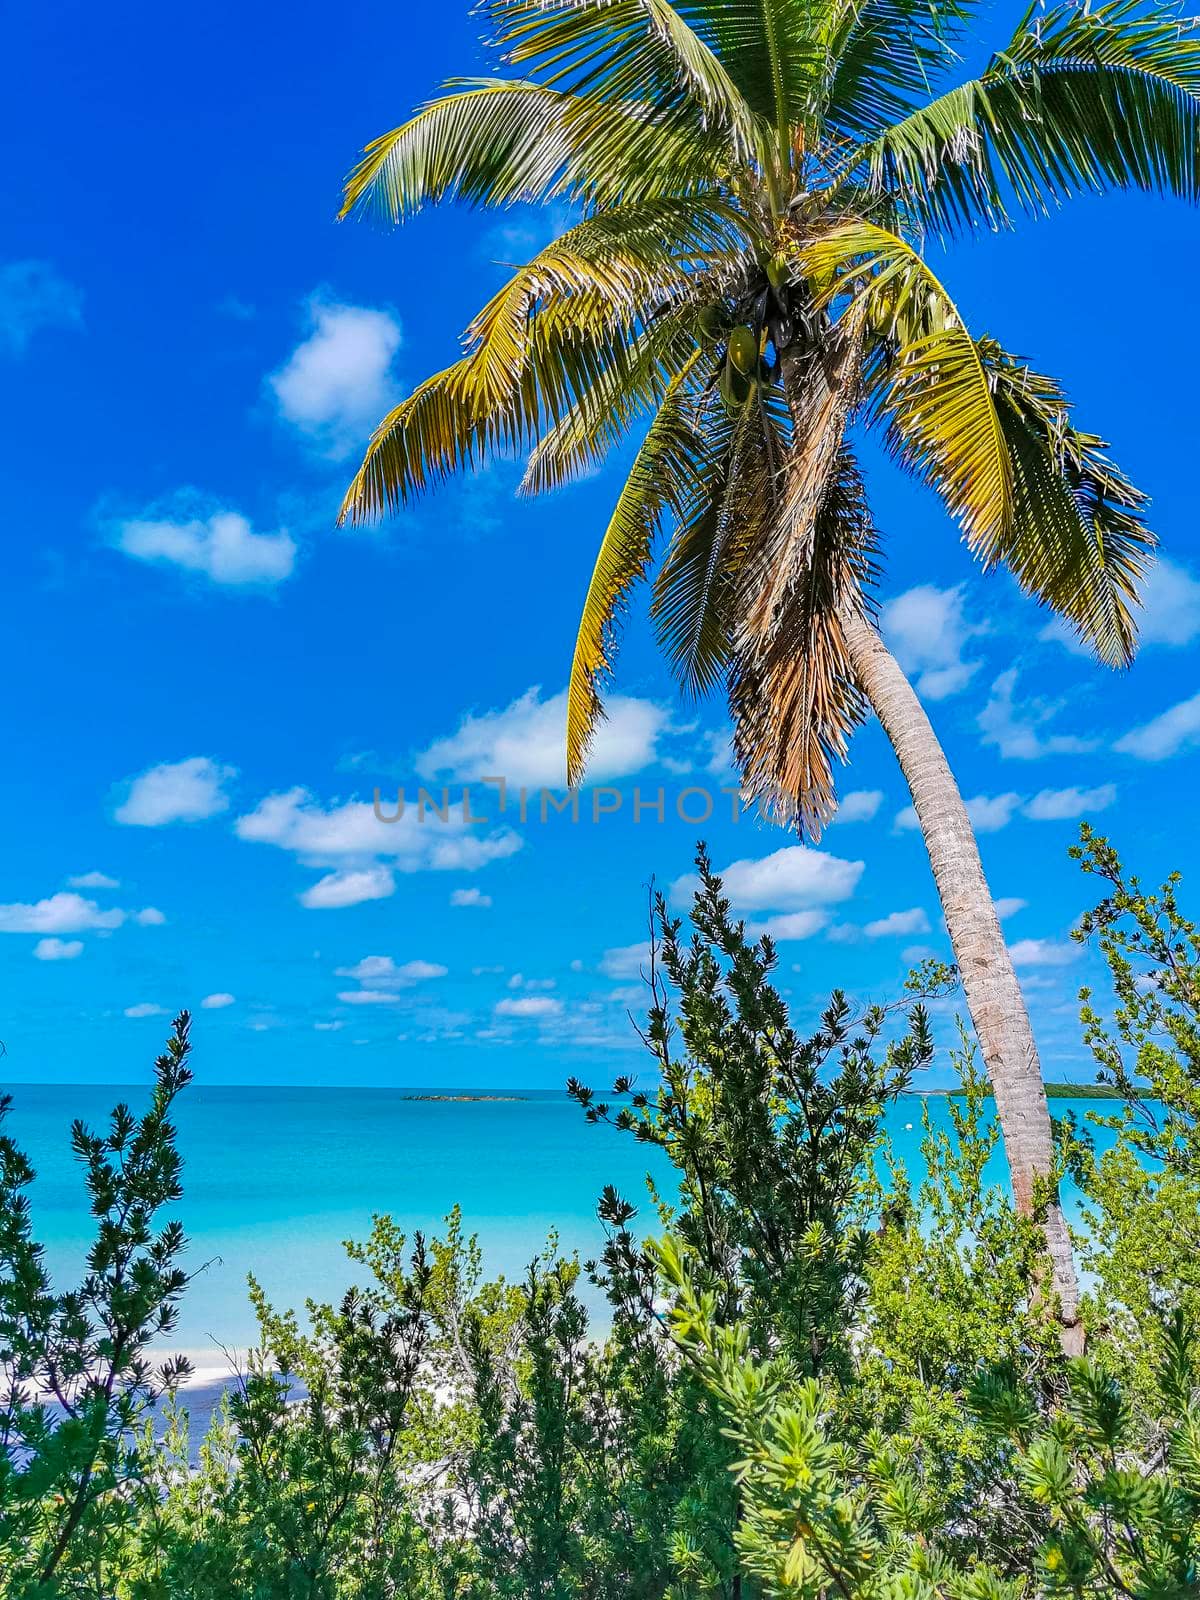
<point x="459" y="1099"/>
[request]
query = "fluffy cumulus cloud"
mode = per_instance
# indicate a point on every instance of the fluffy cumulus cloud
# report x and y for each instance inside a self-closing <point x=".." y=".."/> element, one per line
<point x="58" y="949"/>
<point x="525" y="743"/>
<point x="93" y="880"/>
<point x="929" y="632"/>
<point x="384" y="972"/>
<point x="790" y="925"/>
<point x="1056" y="805"/>
<point x="1027" y="953"/>
<point x="59" y="913"/>
<point x="1170" y="614"/>
<point x="860" y="805"/>
<point x="1008" y="906"/>
<point x="176" y="791"/>
<point x="338" y="382"/>
<point x="1165" y="735"/>
<point x="68" y="912"/>
<point x="794" y="878"/>
<point x="1015" y="728"/>
<point x="536" y="1006"/>
<point x="34" y="296"/>
<point x="626" y="961"/>
<point x="145" y="1008"/>
<point x="354" y="887"/>
<point x="470" y="897"/>
<point x="220" y="545"/>
<point x="217" y="1002"/>
<point x="362" y="852"/>
<point x="897" y="923"/>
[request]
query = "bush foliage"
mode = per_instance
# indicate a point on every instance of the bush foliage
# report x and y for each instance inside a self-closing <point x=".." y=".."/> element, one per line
<point x="816" y="1378"/>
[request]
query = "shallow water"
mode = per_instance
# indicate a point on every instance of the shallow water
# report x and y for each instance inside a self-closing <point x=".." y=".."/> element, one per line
<point x="275" y="1179"/>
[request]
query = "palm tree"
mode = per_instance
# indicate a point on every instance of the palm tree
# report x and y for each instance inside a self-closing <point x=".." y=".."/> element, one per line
<point x="743" y="285"/>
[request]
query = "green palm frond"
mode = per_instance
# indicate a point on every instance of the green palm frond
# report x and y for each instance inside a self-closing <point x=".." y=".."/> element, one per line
<point x="887" y="57"/>
<point x="662" y="481"/>
<point x="777" y="52"/>
<point x="1079" y="100"/>
<point x="1078" y="541"/>
<point x="928" y="382"/>
<point x="455" y="419"/>
<point x="624" y="50"/>
<point x="692" y="610"/>
<point x="497" y="141"/>
<point x="633" y="386"/>
<point x="610" y="273"/>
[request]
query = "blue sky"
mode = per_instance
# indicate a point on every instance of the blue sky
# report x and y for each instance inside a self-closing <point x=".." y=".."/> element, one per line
<point x="206" y="680"/>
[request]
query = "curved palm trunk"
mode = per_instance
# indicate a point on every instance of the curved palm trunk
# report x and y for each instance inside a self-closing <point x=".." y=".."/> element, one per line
<point x="989" y="980"/>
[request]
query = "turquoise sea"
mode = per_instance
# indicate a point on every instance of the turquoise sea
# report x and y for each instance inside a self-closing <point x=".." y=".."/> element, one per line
<point x="276" y="1178"/>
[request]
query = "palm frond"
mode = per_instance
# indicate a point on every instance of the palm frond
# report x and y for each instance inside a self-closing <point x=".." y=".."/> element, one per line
<point x="928" y="379"/>
<point x="498" y="141"/>
<point x="777" y="53"/>
<point x="696" y="584"/>
<point x="1079" y="100"/>
<point x="887" y="57"/>
<point x="624" y="50"/>
<point x="661" y="482"/>
<point x="793" y="695"/>
<point x="1078" y="542"/>
<point x="632" y="387"/>
<point x="612" y="272"/>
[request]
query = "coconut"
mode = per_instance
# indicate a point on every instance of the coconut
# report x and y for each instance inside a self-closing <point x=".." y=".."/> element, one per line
<point x="743" y="351"/>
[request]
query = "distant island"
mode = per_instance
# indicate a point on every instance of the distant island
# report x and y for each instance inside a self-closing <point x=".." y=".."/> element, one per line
<point x="465" y="1097"/>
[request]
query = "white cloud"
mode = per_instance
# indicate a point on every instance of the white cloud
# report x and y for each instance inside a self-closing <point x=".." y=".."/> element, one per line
<point x="337" y="890"/>
<point x="792" y="878"/>
<point x="898" y="922"/>
<point x="145" y="1009"/>
<point x="149" y="917"/>
<point x="60" y="913"/>
<point x="528" y="1006"/>
<point x="928" y="632"/>
<point x="626" y="961"/>
<point x="860" y="805"/>
<point x="338" y="382"/>
<point x="1043" y="953"/>
<point x="33" y="296"/>
<point x="1053" y="805"/>
<point x="1008" y="906"/>
<point x="93" y="880"/>
<point x="350" y="837"/>
<point x="58" y="949"/>
<point x="1171" y="605"/>
<point x="470" y="897"/>
<point x="1170" y="614"/>
<point x="382" y="971"/>
<point x="328" y="1027"/>
<point x="988" y="813"/>
<point x="520" y="981"/>
<point x="789" y="925"/>
<point x="1014" y="729"/>
<point x="369" y="997"/>
<point x="526" y="743"/>
<point x="180" y="791"/>
<point x="222" y="545"/>
<point x="1165" y="735"/>
<point x="216" y="1002"/>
